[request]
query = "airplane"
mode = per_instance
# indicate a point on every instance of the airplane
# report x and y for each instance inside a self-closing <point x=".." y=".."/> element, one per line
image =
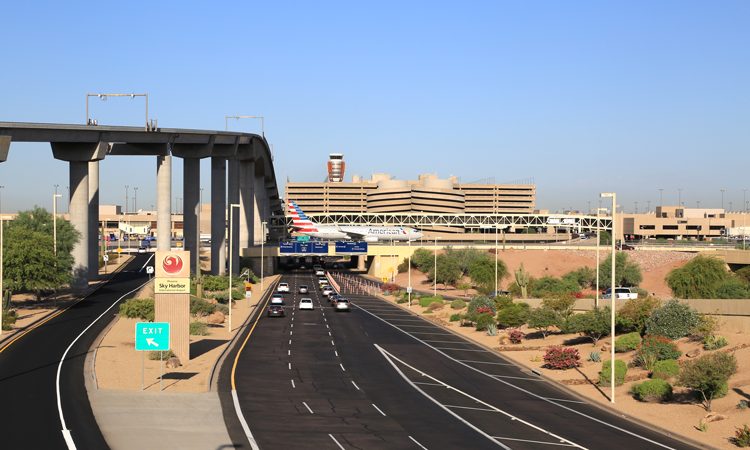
<point x="303" y="225"/>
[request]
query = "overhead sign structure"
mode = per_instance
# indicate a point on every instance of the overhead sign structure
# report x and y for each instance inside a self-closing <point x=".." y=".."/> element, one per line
<point x="349" y="247"/>
<point x="172" y="272"/>
<point x="304" y="248"/>
<point x="152" y="336"/>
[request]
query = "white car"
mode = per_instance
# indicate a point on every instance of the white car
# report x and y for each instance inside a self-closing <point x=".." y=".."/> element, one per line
<point x="621" y="293"/>
<point x="277" y="299"/>
<point x="283" y="287"/>
<point x="322" y="281"/>
<point x="303" y="289"/>
<point x="306" y="303"/>
<point x="320" y="272"/>
<point x="327" y="290"/>
<point x="342" y="305"/>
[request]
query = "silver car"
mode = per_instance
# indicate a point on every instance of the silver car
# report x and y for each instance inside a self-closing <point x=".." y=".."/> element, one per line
<point x="342" y="305"/>
<point x="303" y="289"/>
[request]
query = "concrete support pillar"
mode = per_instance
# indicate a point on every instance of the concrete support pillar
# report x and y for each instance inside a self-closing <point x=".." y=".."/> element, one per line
<point x="361" y="263"/>
<point x="164" y="203"/>
<point x="191" y="192"/>
<point x="234" y="198"/>
<point x="79" y="218"/>
<point x="247" y="203"/>
<point x="218" y="215"/>
<point x="93" y="195"/>
<point x="259" y="216"/>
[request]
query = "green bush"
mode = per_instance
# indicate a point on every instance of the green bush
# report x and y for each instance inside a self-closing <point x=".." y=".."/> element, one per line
<point x="200" y="307"/>
<point x="424" y="302"/>
<point x="402" y="300"/>
<point x="458" y="304"/>
<point x="595" y="357"/>
<point x="138" y="308"/>
<point x="157" y="355"/>
<point x="673" y="320"/>
<point x="632" y="315"/>
<point x="215" y="283"/>
<point x="627" y="342"/>
<point x="744" y="273"/>
<point x="584" y="277"/>
<point x="502" y="301"/>
<point x="552" y="286"/>
<point x="665" y="369"/>
<point x="9" y="318"/>
<point x="699" y="278"/>
<point x="741" y="436"/>
<point x="483" y="320"/>
<point x="706" y="327"/>
<point x="562" y="306"/>
<point x="198" y="329"/>
<point x="621" y="369"/>
<point x="627" y="272"/>
<point x="543" y="319"/>
<point x="733" y="287"/>
<point x="480" y="302"/>
<point x="708" y="376"/>
<point x="423" y="260"/>
<point x="714" y="342"/>
<point x="593" y="324"/>
<point x="655" y="390"/>
<point x="402" y="268"/>
<point x="653" y="349"/>
<point x="513" y="316"/>
<point x="455" y="317"/>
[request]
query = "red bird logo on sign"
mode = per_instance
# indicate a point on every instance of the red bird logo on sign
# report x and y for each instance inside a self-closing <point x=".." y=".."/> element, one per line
<point x="172" y="264"/>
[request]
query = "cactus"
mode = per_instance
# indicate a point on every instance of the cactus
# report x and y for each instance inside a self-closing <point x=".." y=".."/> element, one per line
<point x="491" y="329"/>
<point x="522" y="280"/>
<point x="595" y="357"/>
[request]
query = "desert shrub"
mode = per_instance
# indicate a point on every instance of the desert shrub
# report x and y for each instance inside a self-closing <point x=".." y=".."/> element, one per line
<point x="655" y="348"/>
<point x="743" y="404"/>
<point x="458" y="304"/>
<point x="424" y="302"/>
<point x="423" y="259"/>
<point x="706" y="327"/>
<point x="744" y="273"/>
<point x="632" y="315"/>
<point x="402" y="300"/>
<point x="215" y="283"/>
<point x="138" y="308"/>
<point x="733" y="287"/>
<point x="516" y="336"/>
<point x="665" y="369"/>
<point x="673" y="320"/>
<point x="198" y="329"/>
<point x="593" y="324"/>
<point x="627" y="272"/>
<point x="561" y="305"/>
<point x="708" y="376"/>
<point x="714" y="342"/>
<point x="655" y="390"/>
<point x="455" y="317"/>
<point x="200" y="307"/>
<point x="502" y="301"/>
<point x="448" y="271"/>
<point x="627" y="342"/>
<point x="542" y="319"/>
<point x="514" y="315"/>
<point x="741" y="436"/>
<point x="491" y="329"/>
<point x="562" y="358"/>
<point x="621" y="369"/>
<point x="482" y="272"/>
<point x="595" y="357"/>
<point x="390" y="287"/>
<point x="483" y="320"/>
<point x="699" y="278"/>
<point x="584" y="277"/>
<point x="480" y="302"/>
<point x="404" y="266"/>
<point x="224" y="309"/>
<point x="551" y="286"/>
<point x="160" y="355"/>
<point x="9" y="318"/>
<point x="434" y="306"/>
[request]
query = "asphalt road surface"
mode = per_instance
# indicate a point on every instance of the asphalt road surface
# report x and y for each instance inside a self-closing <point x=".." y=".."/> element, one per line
<point x="32" y="411"/>
<point x="379" y="377"/>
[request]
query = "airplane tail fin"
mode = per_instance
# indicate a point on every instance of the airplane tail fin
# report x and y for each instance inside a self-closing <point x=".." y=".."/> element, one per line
<point x="300" y="221"/>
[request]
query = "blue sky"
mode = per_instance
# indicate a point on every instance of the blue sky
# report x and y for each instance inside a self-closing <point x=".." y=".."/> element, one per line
<point x="583" y="97"/>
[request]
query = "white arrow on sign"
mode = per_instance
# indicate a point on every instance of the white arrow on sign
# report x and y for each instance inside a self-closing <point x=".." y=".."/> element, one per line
<point x="150" y="342"/>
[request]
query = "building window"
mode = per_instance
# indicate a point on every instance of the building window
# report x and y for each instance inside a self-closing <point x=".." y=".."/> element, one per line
<point x="669" y="227"/>
<point x="647" y="227"/>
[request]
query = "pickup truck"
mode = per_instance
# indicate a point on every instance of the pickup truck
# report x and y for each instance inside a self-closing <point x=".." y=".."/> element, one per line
<point x="621" y="293"/>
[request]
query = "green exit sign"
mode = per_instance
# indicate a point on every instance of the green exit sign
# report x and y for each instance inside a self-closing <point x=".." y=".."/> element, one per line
<point x="152" y="336"/>
<point x="303" y="238"/>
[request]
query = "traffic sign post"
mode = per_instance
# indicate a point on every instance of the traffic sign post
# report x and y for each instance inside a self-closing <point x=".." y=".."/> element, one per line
<point x="152" y="336"/>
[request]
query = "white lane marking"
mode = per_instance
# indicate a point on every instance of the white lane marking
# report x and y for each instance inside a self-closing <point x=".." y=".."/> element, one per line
<point x="518" y="378"/>
<point x="483" y="362"/>
<point x="308" y="408"/>
<point x="66" y="433"/>
<point x="245" y="427"/>
<point x="532" y="442"/>
<point x="147" y="261"/>
<point x="567" y="408"/>
<point x="293" y="386"/>
<point x="447" y="342"/>
<point x="288" y="353"/>
<point x="470" y="407"/>
<point x="355" y="385"/>
<point x="379" y="410"/>
<point x="417" y="442"/>
<point x="329" y="333"/>
<point x="290" y="332"/>
<point x="467" y="423"/>
<point x="415" y="326"/>
<point x="342" y="367"/>
<point x="332" y="342"/>
<point x="328" y="326"/>
<point x="337" y="442"/>
<point x="441" y="333"/>
<point x="427" y="384"/>
<point x="336" y="352"/>
<point x="565" y="400"/>
<point x="390" y="356"/>
<point x="292" y="325"/>
<point x="290" y="366"/>
<point x="464" y="349"/>
<point x="290" y="342"/>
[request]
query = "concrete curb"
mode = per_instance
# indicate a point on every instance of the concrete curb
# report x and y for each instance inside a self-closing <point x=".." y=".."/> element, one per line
<point x="557" y="385"/>
<point x="90" y="290"/>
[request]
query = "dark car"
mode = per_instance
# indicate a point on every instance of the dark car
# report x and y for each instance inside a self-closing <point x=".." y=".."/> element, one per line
<point x="276" y="311"/>
<point x="626" y="247"/>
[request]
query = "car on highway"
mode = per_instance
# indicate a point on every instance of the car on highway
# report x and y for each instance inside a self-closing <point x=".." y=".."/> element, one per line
<point x="277" y="299"/>
<point x="621" y="293"/>
<point x="141" y="249"/>
<point x="283" y="287"/>
<point x="320" y="272"/>
<point x="322" y="281"/>
<point x="342" y="304"/>
<point x="276" y="311"/>
<point x="327" y="290"/>
<point x="302" y="289"/>
<point x="333" y="297"/>
<point x="306" y="303"/>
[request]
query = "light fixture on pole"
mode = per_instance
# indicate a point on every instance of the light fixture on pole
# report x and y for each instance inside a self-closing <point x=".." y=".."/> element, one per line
<point x="261" y="118"/>
<point x="54" y="222"/>
<point x="230" y="210"/>
<point x="612" y="293"/>
<point x="150" y="126"/>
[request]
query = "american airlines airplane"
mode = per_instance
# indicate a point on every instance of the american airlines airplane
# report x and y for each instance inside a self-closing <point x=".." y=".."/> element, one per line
<point x="303" y="225"/>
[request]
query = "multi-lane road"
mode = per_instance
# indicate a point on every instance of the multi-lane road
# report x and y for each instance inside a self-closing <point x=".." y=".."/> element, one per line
<point x="380" y="377"/>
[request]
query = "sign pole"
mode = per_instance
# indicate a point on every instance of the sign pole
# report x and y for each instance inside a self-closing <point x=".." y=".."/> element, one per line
<point x="161" y="367"/>
<point x="143" y="369"/>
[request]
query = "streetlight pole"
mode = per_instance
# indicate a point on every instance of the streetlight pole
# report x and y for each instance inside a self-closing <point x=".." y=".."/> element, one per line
<point x="2" y="288"/>
<point x="679" y="196"/>
<point x="434" y="267"/>
<point x="613" y="295"/>
<point x="408" y="271"/>
<point x="54" y="222"/>
<point x="231" y="206"/>
<point x="126" y="199"/>
<point x="722" y="198"/>
<point x="496" y="289"/>
<point x="598" y="238"/>
<point x="262" y="256"/>
<point x="135" y="199"/>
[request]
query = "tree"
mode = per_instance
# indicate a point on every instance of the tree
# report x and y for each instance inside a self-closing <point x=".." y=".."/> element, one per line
<point x="30" y="263"/>
<point x="513" y="315"/>
<point x="632" y="316"/>
<point x="584" y="277"/>
<point x="673" y="320"/>
<point x="708" y="375"/>
<point x="699" y="278"/>
<point x="466" y="257"/>
<point x="423" y="260"/>
<point x="593" y="324"/>
<point x="464" y="286"/>
<point x="605" y="238"/>
<point x="482" y="273"/>
<point x="627" y="272"/>
<point x="562" y="306"/>
<point x="448" y="271"/>
<point x="542" y="319"/>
